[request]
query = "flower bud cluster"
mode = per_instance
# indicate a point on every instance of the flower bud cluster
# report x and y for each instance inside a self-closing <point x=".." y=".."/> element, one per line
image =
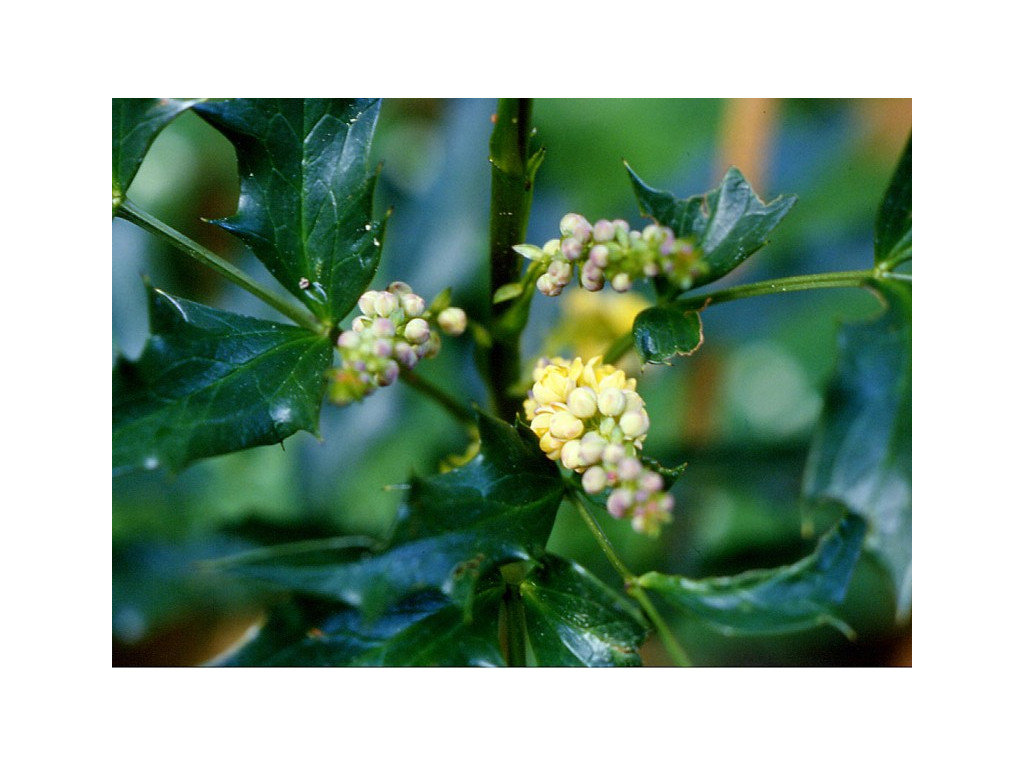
<point x="395" y="331"/>
<point x="589" y="417"/>
<point x="610" y="252"/>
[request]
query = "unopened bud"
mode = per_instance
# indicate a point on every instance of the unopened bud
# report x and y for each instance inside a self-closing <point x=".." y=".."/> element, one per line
<point x="571" y="248"/>
<point x="599" y="255"/>
<point x="582" y="402"/>
<point x="385" y="303"/>
<point x="611" y="401"/>
<point x="635" y="423"/>
<point x="547" y="285"/>
<point x="594" y="480"/>
<point x="571" y="454"/>
<point x="452" y="321"/>
<point x="604" y="231"/>
<point x="382" y="327"/>
<point x="413" y="304"/>
<point x="565" y="426"/>
<point x="560" y="271"/>
<point x="417" y="330"/>
<point x="366" y="303"/>
<point x="630" y="468"/>
<point x="348" y="340"/>
<point x="399" y="288"/>
<point x="621" y="282"/>
<point x="619" y="502"/>
<point x="405" y="354"/>
<point x="592" y="445"/>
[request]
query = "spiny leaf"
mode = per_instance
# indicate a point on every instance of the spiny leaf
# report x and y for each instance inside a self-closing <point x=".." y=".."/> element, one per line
<point x="728" y="224"/>
<point x="136" y="123"/>
<point x="794" y="597"/>
<point x="452" y="530"/>
<point x="661" y="332"/>
<point x="893" y="224"/>
<point x="209" y="382"/>
<point x="861" y="454"/>
<point x="573" y="619"/>
<point x="306" y="202"/>
<point x="423" y="630"/>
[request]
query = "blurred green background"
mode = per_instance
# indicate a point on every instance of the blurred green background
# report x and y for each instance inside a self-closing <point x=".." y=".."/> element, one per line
<point x="739" y="412"/>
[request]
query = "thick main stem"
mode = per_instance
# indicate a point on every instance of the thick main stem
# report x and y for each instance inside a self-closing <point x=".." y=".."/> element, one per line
<point x="130" y="212"/>
<point x="633" y="589"/>
<point x="511" y="195"/>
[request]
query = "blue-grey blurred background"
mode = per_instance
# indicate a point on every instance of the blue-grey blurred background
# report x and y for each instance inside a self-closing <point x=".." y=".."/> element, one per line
<point x="739" y="412"/>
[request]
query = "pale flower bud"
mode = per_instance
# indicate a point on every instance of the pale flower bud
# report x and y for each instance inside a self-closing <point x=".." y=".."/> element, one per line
<point x="574" y="225"/>
<point x="452" y="321"/>
<point x="613" y="454"/>
<point x="651" y="482"/>
<point x="389" y="373"/>
<point x="348" y="340"/>
<point x="604" y="231"/>
<point x="571" y="454"/>
<point x="366" y="303"/>
<point x="630" y="468"/>
<point x="592" y="445"/>
<point x="405" y="354"/>
<point x="582" y="402"/>
<point x="548" y="286"/>
<point x="571" y="248"/>
<point x="565" y="426"/>
<point x="417" y="330"/>
<point x="385" y="303"/>
<point x="621" y="282"/>
<point x="382" y="327"/>
<point x="635" y="423"/>
<point x="413" y="304"/>
<point x="399" y="288"/>
<point x="552" y="247"/>
<point x="599" y="255"/>
<point x="619" y="502"/>
<point x="611" y="401"/>
<point x="594" y="480"/>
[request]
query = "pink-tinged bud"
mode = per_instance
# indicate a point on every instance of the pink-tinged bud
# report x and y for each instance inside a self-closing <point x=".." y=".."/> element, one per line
<point x="348" y="340"/>
<point x="604" y="231"/>
<point x="634" y="423"/>
<point x="611" y="401"/>
<point x="619" y="502"/>
<point x="571" y="454"/>
<point x="413" y="305"/>
<point x="565" y="426"/>
<point x="613" y="454"/>
<point x="399" y="288"/>
<point x="417" y="330"/>
<point x="652" y="232"/>
<point x="592" y="445"/>
<point x="582" y="402"/>
<point x="594" y="480"/>
<point x="387" y="376"/>
<point x="383" y="348"/>
<point x="651" y="482"/>
<point x="599" y="255"/>
<point x="547" y="285"/>
<point x="560" y="271"/>
<point x="571" y="248"/>
<point x="651" y="268"/>
<point x="366" y="303"/>
<point x="452" y="321"/>
<point x="621" y="282"/>
<point x="574" y="225"/>
<point x="382" y="327"/>
<point x="431" y="346"/>
<point x="591" y="277"/>
<point x="630" y="468"/>
<point x="385" y="303"/>
<point x="405" y="355"/>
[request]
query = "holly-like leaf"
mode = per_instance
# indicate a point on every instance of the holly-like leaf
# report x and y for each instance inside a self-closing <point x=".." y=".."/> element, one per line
<point x="893" y="237"/>
<point x="209" y="382"/>
<point x="727" y="224"/>
<point x="423" y="630"/>
<point x="136" y="123"/>
<point x="786" y="599"/>
<point x="573" y="619"/>
<point x="861" y="454"/>
<point x="306" y="201"/>
<point x="453" y="529"/>
<point x="661" y="332"/>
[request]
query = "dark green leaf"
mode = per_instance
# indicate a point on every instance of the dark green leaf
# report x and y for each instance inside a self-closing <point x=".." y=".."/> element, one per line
<point x="861" y="455"/>
<point x="727" y="224"/>
<point x="136" y="123"/>
<point x="453" y="529"/>
<point x="209" y="382"/>
<point x="423" y="630"/>
<point x="573" y="619"/>
<point x="794" y="597"/>
<point x="306" y="202"/>
<point x="893" y="224"/>
<point x="663" y="331"/>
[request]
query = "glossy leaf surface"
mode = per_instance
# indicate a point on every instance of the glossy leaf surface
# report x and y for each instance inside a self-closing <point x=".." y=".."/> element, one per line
<point x="136" y="123"/>
<point x="893" y="230"/>
<point x="661" y="332"/>
<point x="786" y="599"/>
<point x="451" y="531"/>
<point x="861" y="455"/>
<point x="424" y="630"/>
<point x="306" y="201"/>
<point x="573" y="619"/>
<point x="209" y="382"/>
<point x="727" y="224"/>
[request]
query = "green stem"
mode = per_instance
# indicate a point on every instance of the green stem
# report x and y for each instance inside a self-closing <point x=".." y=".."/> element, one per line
<point x="851" y="279"/>
<point x="633" y="589"/>
<point x="442" y="398"/>
<point x="515" y="615"/>
<point x="130" y="212"/>
<point x="511" y="195"/>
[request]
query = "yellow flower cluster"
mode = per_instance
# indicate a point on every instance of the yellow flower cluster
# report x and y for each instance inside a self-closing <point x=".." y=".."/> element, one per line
<point x="589" y="417"/>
